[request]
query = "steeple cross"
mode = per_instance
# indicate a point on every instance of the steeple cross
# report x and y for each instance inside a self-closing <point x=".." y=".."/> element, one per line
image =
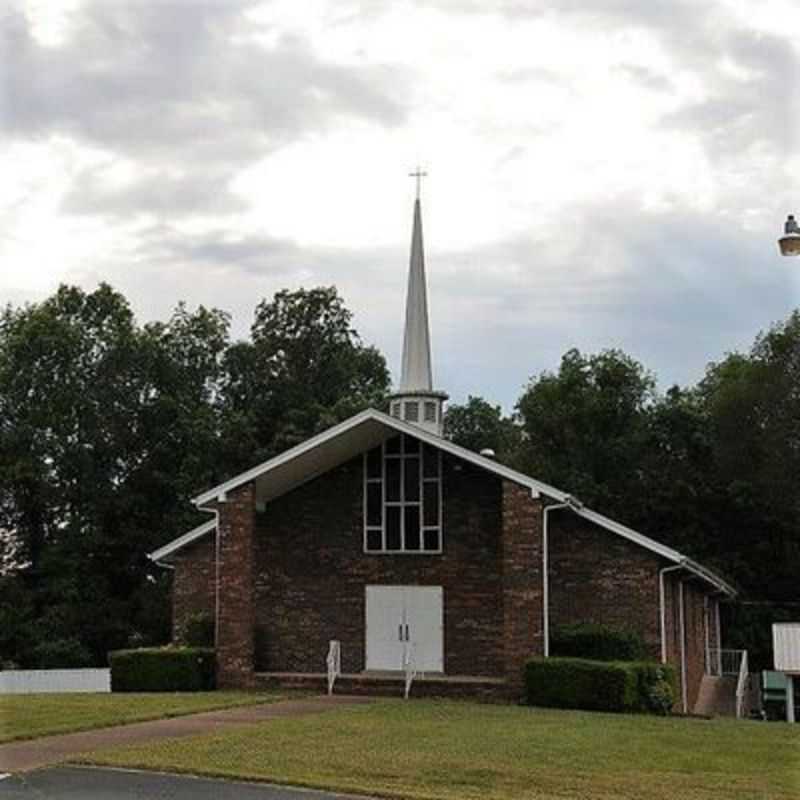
<point x="418" y="174"/>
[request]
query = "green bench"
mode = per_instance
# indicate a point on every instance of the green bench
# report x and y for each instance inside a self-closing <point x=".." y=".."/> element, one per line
<point x="773" y="695"/>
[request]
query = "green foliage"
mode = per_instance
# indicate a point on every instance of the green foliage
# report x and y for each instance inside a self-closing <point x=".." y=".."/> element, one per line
<point x="656" y="686"/>
<point x="477" y="425"/>
<point x="107" y="428"/>
<point x="581" y="683"/>
<point x="162" y="669"/>
<point x="584" y="426"/>
<point x="61" y="654"/>
<point x="304" y="370"/>
<point x="599" y="685"/>
<point x="198" y="630"/>
<point x="597" y="642"/>
<point x="748" y="626"/>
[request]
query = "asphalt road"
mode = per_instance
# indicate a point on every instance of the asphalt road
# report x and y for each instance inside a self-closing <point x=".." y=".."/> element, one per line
<point x="80" y="783"/>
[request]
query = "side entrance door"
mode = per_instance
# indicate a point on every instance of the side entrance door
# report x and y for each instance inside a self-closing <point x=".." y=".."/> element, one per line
<point x="401" y="616"/>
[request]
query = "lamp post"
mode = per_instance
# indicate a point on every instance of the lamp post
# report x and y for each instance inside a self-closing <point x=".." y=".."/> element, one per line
<point x="789" y="243"/>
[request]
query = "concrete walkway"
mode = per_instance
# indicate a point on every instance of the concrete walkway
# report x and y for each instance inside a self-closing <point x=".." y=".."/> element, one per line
<point x="34" y="753"/>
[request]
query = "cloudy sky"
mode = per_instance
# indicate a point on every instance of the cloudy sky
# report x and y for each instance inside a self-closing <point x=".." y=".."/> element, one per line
<point x="604" y="173"/>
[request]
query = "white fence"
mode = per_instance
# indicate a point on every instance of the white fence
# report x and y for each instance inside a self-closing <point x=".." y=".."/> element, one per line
<point x="34" y="681"/>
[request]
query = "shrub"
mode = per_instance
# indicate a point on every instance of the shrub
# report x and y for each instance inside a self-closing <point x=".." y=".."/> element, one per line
<point x="599" y="685"/>
<point x="597" y="642"/>
<point x="162" y="669"/>
<point x="198" y="630"/>
<point x="657" y="686"/>
<point x="580" y="683"/>
<point x="67" y="653"/>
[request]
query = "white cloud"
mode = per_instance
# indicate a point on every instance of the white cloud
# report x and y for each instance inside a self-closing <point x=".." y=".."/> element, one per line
<point x="591" y="166"/>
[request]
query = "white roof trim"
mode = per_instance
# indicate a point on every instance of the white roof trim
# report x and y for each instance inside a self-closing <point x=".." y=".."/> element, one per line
<point x="288" y="455"/>
<point x="711" y="577"/>
<point x="466" y="455"/>
<point x="182" y="541"/>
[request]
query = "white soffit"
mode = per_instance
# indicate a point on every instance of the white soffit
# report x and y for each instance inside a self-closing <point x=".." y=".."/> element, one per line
<point x="786" y="646"/>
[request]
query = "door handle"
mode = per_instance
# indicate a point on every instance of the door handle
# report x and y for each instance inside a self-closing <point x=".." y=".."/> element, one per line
<point x="406" y="632"/>
<point x="400" y="632"/>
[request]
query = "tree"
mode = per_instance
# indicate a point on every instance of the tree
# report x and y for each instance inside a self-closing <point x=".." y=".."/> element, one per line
<point x="106" y="429"/>
<point x="583" y="428"/>
<point x="477" y="425"/>
<point x="305" y="370"/>
<point x="753" y="407"/>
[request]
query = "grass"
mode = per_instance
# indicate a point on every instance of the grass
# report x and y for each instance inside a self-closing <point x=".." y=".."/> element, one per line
<point x="440" y="750"/>
<point x="33" y="715"/>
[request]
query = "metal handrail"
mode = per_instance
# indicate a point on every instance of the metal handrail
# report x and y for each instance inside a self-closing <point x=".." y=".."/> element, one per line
<point x="741" y="685"/>
<point x="731" y="663"/>
<point x="724" y="662"/>
<point x="334" y="663"/>
<point x="409" y="667"/>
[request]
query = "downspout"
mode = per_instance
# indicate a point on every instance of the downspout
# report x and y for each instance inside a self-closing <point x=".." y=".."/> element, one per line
<point x="574" y="504"/>
<point x="215" y="511"/>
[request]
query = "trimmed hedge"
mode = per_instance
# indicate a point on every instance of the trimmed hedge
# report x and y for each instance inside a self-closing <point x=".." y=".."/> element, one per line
<point x="162" y="669"/>
<point x="599" y="685"/>
<point x="597" y="642"/>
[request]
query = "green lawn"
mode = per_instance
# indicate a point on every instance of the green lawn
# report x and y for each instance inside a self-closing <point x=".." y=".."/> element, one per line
<point x="446" y="750"/>
<point x="32" y="715"/>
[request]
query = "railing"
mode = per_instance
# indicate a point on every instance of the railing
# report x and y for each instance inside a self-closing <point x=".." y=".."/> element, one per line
<point x="334" y="662"/>
<point x="724" y="662"/>
<point x="741" y="685"/>
<point x="731" y="663"/>
<point x="409" y="667"/>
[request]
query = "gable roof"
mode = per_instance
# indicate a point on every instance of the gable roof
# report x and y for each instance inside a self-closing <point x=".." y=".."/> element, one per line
<point x="370" y="428"/>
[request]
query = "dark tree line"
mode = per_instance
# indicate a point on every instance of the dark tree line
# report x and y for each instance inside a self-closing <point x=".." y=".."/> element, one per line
<point x="108" y="427"/>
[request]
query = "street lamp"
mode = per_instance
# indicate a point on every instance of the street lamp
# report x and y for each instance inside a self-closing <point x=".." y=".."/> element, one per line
<point x="789" y="243"/>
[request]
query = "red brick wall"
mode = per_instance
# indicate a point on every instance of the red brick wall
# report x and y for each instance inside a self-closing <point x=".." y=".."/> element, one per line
<point x="312" y="572"/>
<point x="236" y="601"/>
<point x="598" y="576"/>
<point x="192" y="583"/>
<point x="522" y="579"/>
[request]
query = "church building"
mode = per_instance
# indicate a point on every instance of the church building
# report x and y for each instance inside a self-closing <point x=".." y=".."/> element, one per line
<point x="387" y="538"/>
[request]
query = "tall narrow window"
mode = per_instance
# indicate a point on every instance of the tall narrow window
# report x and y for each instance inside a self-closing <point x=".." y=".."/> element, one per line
<point x="403" y="497"/>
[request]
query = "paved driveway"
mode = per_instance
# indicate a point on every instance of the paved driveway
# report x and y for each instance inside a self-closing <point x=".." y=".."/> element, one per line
<point x="79" y="783"/>
<point x="24" y="756"/>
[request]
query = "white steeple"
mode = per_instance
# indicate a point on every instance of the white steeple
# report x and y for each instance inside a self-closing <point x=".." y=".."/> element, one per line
<point x="415" y="400"/>
<point x="416" y="373"/>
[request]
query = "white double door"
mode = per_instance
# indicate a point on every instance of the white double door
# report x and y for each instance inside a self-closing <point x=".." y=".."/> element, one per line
<point x="399" y="617"/>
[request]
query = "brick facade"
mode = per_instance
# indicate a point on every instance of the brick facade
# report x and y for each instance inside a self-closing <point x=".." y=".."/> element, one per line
<point x="293" y="577"/>
<point x="312" y="572"/>
<point x="192" y="584"/>
<point x="235" y="631"/>
<point x="597" y="576"/>
<point x="521" y="568"/>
